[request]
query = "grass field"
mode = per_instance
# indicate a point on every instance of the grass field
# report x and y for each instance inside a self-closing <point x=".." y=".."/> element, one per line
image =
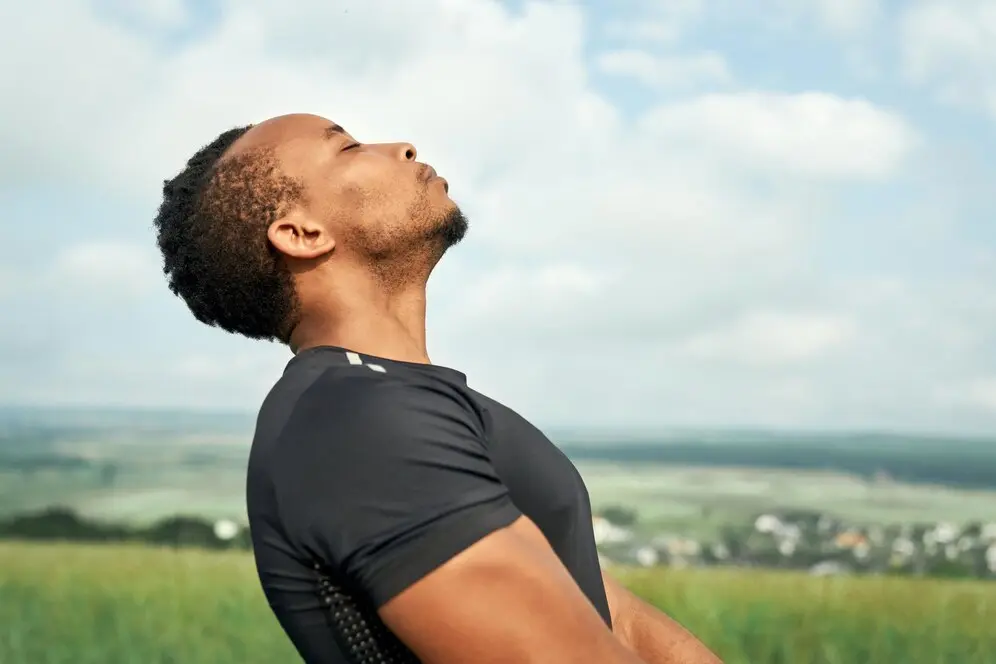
<point x="62" y="604"/>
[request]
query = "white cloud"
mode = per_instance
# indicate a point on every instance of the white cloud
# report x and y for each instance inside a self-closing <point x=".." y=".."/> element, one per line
<point x="660" y="32"/>
<point x="661" y="22"/>
<point x="813" y="133"/>
<point x="951" y="48"/>
<point x="665" y="71"/>
<point x="149" y="13"/>
<point x="217" y="369"/>
<point x="8" y="278"/>
<point x="849" y="16"/>
<point x="669" y="22"/>
<point x="767" y="337"/>
<point x="110" y="270"/>
<point x="977" y="394"/>
<point x="840" y="17"/>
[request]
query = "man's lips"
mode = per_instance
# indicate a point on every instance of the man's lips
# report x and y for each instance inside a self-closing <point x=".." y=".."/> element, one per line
<point x="430" y="175"/>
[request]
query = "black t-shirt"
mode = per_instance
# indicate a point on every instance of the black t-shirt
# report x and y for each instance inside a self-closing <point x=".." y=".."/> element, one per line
<point x="366" y="474"/>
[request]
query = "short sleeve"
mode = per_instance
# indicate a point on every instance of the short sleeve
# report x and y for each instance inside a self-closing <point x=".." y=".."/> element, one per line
<point x="386" y="480"/>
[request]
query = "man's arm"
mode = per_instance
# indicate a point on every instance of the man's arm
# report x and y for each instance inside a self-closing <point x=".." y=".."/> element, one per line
<point x="654" y="637"/>
<point x="505" y="599"/>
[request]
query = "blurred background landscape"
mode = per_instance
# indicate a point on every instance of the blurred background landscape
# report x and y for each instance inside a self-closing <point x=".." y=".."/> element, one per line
<point x="796" y="547"/>
<point x="735" y="259"/>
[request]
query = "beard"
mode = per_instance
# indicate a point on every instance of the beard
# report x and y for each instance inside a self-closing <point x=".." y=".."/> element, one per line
<point x="436" y="229"/>
<point x="411" y="252"/>
<point x="450" y="229"/>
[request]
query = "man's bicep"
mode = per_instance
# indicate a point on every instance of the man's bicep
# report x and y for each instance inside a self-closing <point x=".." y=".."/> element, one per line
<point x="506" y="598"/>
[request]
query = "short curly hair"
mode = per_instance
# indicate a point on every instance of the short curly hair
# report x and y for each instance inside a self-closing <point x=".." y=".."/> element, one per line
<point x="212" y="231"/>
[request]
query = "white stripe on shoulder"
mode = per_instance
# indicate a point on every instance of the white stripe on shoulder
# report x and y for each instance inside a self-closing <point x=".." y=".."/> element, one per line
<point x="355" y="360"/>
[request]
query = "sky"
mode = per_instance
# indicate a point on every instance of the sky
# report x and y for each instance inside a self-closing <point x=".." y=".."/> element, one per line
<point x="693" y="213"/>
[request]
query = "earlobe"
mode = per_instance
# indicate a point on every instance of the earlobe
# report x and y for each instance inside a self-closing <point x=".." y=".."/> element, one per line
<point x="298" y="236"/>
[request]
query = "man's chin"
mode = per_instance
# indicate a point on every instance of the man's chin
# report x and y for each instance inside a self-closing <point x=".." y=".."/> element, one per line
<point x="452" y="227"/>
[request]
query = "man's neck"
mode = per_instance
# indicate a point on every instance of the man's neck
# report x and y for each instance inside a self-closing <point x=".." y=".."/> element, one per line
<point x="367" y="319"/>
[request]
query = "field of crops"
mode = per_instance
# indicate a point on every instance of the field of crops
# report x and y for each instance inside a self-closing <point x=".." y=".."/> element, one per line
<point x="62" y="604"/>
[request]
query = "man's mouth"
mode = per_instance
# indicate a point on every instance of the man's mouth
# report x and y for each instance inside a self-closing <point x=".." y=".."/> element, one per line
<point x="430" y="175"/>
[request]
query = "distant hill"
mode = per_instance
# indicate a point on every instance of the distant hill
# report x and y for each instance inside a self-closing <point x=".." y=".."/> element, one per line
<point x="16" y="420"/>
<point x="960" y="462"/>
<point x="46" y="437"/>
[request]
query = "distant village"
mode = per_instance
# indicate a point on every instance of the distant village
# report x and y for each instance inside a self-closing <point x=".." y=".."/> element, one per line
<point x="785" y="539"/>
<point x="813" y="542"/>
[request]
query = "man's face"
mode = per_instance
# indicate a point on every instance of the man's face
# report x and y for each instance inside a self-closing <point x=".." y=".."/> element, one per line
<point x="375" y="200"/>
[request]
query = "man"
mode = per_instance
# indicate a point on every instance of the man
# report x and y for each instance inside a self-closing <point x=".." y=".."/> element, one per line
<point x="396" y="514"/>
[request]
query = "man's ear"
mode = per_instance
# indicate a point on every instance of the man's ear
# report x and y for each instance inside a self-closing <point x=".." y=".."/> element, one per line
<point x="299" y="236"/>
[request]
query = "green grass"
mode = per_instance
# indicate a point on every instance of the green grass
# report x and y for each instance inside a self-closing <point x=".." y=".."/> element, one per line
<point x="783" y="618"/>
<point x="129" y="605"/>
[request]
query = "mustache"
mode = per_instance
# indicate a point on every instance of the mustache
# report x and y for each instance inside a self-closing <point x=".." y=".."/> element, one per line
<point x="426" y="173"/>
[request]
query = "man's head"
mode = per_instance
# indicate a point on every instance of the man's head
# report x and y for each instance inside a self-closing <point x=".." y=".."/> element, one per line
<point x="264" y="215"/>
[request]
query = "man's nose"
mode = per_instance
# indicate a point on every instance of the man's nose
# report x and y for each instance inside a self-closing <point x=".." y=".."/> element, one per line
<point x="403" y="151"/>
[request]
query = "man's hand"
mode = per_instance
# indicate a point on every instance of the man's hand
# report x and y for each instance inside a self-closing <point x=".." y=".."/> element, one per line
<point x="654" y="637"/>
<point x="506" y="599"/>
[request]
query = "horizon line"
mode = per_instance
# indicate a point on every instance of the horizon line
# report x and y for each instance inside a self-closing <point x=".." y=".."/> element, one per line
<point x="635" y="431"/>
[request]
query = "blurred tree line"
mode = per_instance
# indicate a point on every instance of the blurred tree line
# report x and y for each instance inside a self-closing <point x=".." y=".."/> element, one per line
<point x="64" y="524"/>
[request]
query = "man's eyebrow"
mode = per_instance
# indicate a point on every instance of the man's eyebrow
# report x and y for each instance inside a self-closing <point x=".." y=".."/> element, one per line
<point x="332" y="131"/>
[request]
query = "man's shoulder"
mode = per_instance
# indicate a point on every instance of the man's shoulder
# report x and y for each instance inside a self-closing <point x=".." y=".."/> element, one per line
<point x="355" y="389"/>
<point x="505" y="417"/>
<point x="375" y="395"/>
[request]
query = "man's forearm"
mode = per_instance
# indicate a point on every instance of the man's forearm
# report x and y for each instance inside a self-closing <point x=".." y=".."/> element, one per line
<point x="657" y="639"/>
<point x="652" y="635"/>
